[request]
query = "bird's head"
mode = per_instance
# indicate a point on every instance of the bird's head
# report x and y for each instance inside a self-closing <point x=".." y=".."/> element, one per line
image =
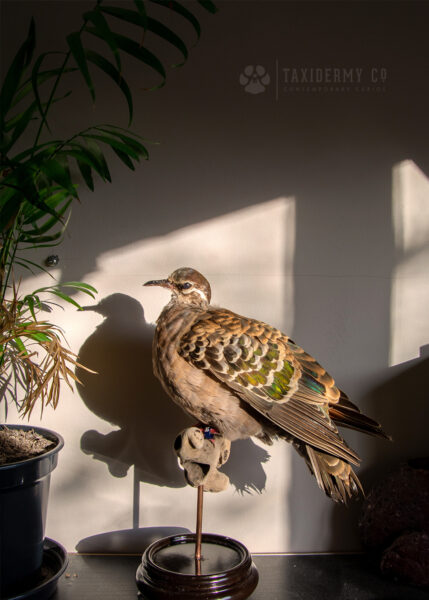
<point x="187" y="285"/>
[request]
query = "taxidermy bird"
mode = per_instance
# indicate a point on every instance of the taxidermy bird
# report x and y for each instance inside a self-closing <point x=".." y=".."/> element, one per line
<point x="246" y="378"/>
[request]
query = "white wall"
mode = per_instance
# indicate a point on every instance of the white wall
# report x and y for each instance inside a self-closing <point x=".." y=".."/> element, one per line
<point x="283" y="200"/>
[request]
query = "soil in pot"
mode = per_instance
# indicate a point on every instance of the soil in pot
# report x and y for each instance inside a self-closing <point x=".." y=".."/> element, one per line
<point x="24" y="490"/>
<point x="20" y="444"/>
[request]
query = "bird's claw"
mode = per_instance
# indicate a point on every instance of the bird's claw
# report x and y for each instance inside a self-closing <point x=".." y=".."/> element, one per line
<point x="201" y="457"/>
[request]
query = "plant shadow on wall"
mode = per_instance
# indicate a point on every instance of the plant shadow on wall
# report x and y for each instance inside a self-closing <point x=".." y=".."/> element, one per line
<point x="125" y="393"/>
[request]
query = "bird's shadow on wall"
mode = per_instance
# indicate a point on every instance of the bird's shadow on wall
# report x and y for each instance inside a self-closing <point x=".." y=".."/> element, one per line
<point x="125" y="393"/>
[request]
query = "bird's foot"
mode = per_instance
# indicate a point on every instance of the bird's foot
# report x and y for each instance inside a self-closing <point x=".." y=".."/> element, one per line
<point x="201" y="451"/>
<point x="208" y="432"/>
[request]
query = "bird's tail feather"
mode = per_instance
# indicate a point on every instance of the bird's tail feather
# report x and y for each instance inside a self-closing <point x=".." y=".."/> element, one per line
<point x="347" y="414"/>
<point x="334" y="475"/>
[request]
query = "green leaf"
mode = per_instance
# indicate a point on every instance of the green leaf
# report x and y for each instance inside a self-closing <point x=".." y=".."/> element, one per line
<point x="96" y="152"/>
<point x="19" y="125"/>
<point x="22" y="180"/>
<point x="142" y="12"/>
<point x="43" y="239"/>
<point x="167" y="34"/>
<point x="46" y="245"/>
<point x="209" y="5"/>
<point x="30" y="43"/>
<point x="66" y="298"/>
<point x="25" y="262"/>
<point x="40" y="150"/>
<point x="79" y="285"/>
<point x="82" y="287"/>
<point x="35" y="238"/>
<point x="20" y="345"/>
<point x="13" y="76"/>
<point x="21" y="120"/>
<point x="49" y="223"/>
<point x="35" y="77"/>
<point x="35" y="84"/>
<point x="114" y="143"/>
<point x="142" y="54"/>
<point x="9" y="211"/>
<point x="124" y="158"/>
<point x="4" y="140"/>
<point x="86" y="173"/>
<point x="29" y="300"/>
<point x="75" y="44"/>
<point x="56" y="171"/>
<point x="20" y="262"/>
<point x="102" y="26"/>
<point x="32" y="237"/>
<point x="125" y="14"/>
<point x="132" y="142"/>
<point x="14" y="121"/>
<point x="153" y="25"/>
<point x="42" y="77"/>
<point x="38" y="336"/>
<point x="52" y="197"/>
<point x="181" y="10"/>
<point x="109" y="69"/>
<point x="34" y="299"/>
<point x="115" y="129"/>
<point x="85" y="158"/>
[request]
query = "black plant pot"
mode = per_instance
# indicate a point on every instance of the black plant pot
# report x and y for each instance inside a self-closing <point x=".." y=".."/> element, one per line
<point x="24" y="490"/>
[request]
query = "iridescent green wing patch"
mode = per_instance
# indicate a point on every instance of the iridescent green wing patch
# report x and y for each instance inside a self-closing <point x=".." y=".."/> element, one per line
<point x="281" y="382"/>
<point x="316" y="384"/>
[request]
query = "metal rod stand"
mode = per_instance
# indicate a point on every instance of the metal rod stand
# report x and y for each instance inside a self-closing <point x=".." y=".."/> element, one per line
<point x="199" y="529"/>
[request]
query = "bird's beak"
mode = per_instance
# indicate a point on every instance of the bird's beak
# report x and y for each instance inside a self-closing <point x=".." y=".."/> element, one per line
<point x="165" y="283"/>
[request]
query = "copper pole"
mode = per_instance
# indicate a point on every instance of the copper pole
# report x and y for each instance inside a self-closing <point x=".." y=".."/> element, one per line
<point x="199" y="530"/>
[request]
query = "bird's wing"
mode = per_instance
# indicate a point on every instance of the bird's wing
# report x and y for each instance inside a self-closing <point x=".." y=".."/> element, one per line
<point x="267" y="370"/>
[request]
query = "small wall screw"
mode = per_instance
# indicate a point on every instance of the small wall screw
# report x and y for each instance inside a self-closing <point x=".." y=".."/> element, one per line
<point x="52" y="260"/>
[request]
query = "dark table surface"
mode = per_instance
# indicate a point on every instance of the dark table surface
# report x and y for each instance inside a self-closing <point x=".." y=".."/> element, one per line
<point x="281" y="577"/>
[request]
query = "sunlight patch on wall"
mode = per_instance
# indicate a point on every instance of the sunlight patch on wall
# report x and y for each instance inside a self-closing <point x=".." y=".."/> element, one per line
<point x="248" y="257"/>
<point x="410" y="286"/>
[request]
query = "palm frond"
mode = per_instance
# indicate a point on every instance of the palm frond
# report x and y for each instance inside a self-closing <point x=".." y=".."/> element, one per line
<point x="34" y="358"/>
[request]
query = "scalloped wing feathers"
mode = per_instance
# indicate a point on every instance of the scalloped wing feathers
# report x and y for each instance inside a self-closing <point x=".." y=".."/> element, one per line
<point x="267" y="370"/>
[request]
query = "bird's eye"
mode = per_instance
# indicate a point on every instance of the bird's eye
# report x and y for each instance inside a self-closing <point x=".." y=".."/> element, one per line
<point x="186" y="286"/>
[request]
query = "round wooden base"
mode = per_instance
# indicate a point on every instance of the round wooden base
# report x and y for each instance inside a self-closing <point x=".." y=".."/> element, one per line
<point x="169" y="569"/>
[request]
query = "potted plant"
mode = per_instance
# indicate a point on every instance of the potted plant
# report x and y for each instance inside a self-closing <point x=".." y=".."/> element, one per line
<point x="38" y="185"/>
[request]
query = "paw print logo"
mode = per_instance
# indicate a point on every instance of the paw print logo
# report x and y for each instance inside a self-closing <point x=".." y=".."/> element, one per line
<point x="254" y="79"/>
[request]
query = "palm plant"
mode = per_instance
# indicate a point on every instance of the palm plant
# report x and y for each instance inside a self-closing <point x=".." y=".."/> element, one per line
<point x="38" y="182"/>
